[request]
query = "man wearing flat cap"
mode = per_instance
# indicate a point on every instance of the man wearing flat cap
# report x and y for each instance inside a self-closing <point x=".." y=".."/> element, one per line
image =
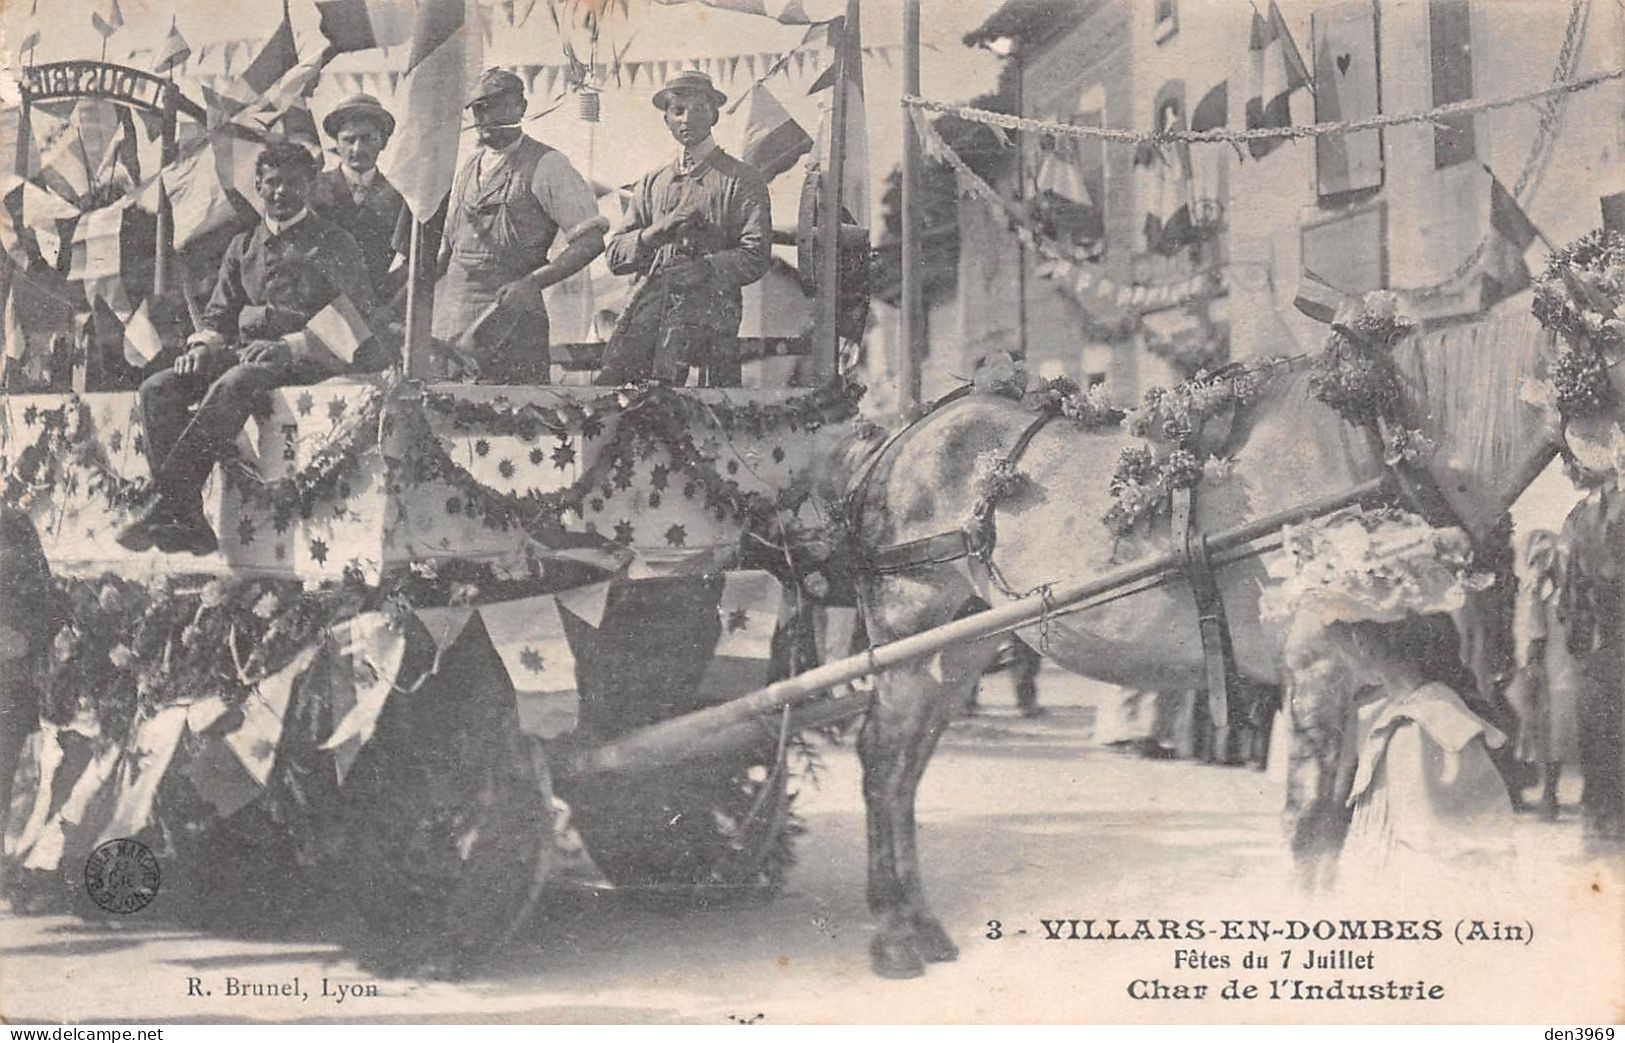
<point x="354" y="195"/>
<point x="700" y="228"/>
<point x="511" y="203"/>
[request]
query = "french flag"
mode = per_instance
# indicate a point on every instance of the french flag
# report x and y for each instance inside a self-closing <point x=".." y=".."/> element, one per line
<point x="1277" y="71"/>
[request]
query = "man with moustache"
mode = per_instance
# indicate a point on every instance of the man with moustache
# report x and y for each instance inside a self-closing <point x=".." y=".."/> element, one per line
<point x="509" y="204"/>
<point x="253" y="337"/>
<point x="354" y="195"/>
<point x="701" y="227"/>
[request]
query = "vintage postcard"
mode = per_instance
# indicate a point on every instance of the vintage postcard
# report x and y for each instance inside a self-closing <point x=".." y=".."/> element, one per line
<point x="812" y="511"/>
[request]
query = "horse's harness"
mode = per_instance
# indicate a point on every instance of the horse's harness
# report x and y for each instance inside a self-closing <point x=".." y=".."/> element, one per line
<point x="1416" y="487"/>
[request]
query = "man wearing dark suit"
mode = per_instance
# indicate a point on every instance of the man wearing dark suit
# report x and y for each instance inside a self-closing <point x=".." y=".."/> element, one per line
<point x="273" y="281"/>
<point x="355" y="196"/>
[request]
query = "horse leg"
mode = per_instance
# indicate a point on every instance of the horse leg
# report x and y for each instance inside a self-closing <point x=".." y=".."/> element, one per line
<point x="961" y="668"/>
<point x="901" y="707"/>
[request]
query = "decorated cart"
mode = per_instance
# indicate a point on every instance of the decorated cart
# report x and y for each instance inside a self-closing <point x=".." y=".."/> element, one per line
<point x="427" y="600"/>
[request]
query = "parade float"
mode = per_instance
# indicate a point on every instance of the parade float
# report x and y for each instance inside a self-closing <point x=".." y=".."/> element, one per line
<point x="454" y="634"/>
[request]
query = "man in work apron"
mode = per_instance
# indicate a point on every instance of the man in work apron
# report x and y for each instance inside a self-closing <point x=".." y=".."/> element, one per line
<point x="508" y="204"/>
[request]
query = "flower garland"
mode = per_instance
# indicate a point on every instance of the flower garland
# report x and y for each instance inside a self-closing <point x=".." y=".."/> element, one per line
<point x="64" y="439"/>
<point x="392" y="421"/>
<point x="1355" y="374"/>
<point x="1143" y="480"/>
<point x="1577" y="295"/>
<point x="1090" y="410"/>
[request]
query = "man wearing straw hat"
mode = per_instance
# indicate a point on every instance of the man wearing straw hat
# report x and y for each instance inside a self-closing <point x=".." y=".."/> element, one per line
<point x="700" y="228"/>
<point x="509" y="204"/>
<point x="354" y="195"/>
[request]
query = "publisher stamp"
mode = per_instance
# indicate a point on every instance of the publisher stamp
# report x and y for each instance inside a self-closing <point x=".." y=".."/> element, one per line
<point x="122" y="876"/>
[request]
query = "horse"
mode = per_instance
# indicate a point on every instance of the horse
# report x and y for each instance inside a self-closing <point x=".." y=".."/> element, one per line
<point x="1464" y="387"/>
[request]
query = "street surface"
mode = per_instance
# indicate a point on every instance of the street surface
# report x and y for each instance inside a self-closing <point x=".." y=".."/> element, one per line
<point x="1021" y="821"/>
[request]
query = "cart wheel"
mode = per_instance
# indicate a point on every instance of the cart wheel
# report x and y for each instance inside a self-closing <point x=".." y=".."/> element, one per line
<point x="705" y="833"/>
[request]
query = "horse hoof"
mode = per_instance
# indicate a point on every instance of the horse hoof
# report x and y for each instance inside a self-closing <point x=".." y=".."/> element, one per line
<point x="895" y="959"/>
<point x="932" y="942"/>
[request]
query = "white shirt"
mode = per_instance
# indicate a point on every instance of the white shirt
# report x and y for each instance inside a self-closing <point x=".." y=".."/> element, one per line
<point x="359" y="183"/>
<point x="689" y="158"/>
<point x="278" y="227"/>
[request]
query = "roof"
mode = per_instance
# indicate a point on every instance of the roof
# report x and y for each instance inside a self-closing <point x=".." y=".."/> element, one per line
<point x="1028" y="20"/>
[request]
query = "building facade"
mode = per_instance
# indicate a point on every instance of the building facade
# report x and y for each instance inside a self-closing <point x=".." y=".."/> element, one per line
<point x="1402" y="207"/>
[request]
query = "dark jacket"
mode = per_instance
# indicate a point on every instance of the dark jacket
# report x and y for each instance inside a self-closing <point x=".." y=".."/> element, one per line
<point x="372" y="222"/>
<point x="292" y="276"/>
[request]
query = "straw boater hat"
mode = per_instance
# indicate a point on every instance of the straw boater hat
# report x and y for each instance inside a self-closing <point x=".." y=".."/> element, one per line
<point x="1378" y="566"/>
<point x="690" y="80"/>
<point x="359" y="106"/>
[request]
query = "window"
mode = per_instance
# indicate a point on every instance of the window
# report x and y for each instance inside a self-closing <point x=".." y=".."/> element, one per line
<point x="1451" y="52"/>
<point x="1093" y="380"/>
<point x="1165" y="19"/>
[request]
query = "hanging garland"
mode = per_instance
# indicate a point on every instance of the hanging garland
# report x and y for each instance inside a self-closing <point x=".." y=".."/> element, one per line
<point x="63" y="447"/>
<point x="392" y="421"/>
<point x="1577" y="297"/>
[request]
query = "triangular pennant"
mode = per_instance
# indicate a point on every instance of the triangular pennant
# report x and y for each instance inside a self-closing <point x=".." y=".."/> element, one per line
<point x="255" y="741"/>
<point x="748" y="608"/>
<point x="529" y="636"/>
<point x="587" y="603"/>
<point x="445" y="625"/>
<point x="146" y="760"/>
<point x="89" y="802"/>
<point x="371" y="648"/>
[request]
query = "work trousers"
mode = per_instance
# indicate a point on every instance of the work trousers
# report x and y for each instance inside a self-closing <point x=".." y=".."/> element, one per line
<point x="183" y="448"/>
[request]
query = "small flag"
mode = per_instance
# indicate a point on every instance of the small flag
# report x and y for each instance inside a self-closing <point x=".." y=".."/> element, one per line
<point x="1503" y="269"/>
<point x="96" y="243"/>
<point x="1277" y="71"/>
<point x="16" y="342"/>
<point x="276" y="58"/>
<point x="1317" y="298"/>
<point x="361" y="25"/>
<point x="107" y="19"/>
<point x="789" y="12"/>
<point x="340" y="329"/>
<point x="444" y="59"/>
<point x="773" y="140"/>
<point x="1507" y="217"/>
<point x="1059" y="171"/>
<point x="142" y="342"/>
<point x="855" y="167"/>
<point x="174" y="51"/>
<point x="28" y="42"/>
<point x="198" y="197"/>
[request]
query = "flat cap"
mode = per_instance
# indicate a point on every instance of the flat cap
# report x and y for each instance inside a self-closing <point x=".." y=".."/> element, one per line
<point x="494" y="82"/>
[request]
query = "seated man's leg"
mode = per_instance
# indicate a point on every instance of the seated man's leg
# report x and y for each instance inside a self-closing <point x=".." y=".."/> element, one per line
<point x="177" y="521"/>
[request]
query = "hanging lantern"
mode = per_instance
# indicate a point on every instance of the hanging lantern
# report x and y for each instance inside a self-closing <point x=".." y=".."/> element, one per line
<point x="589" y="105"/>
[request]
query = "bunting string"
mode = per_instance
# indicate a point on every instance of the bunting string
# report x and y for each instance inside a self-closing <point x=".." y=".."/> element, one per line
<point x="1068" y="267"/>
<point x="1220" y="135"/>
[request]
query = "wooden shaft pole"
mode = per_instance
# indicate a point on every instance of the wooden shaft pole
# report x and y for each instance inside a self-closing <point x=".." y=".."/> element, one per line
<point x="911" y="342"/>
<point x="415" y="353"/>
<point x="670" y="742"/>
<point x="826" y="340"/>
<point x="164" y="262"/>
